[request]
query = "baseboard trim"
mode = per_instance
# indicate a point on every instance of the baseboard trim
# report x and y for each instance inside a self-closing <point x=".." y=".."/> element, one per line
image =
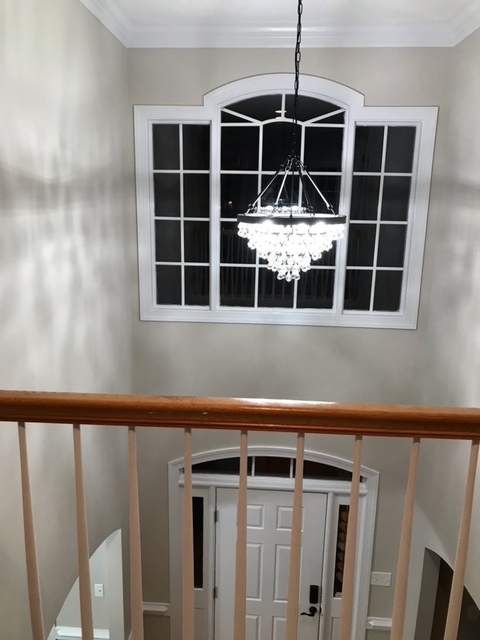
<point x="69" y="633"/>
<point x="156" y="608"/>
<point x="381" y="624"/>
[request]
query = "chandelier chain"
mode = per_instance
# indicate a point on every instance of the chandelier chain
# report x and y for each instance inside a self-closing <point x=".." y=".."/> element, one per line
<point x="296" y="83"/>
<point x="298" y="57"/>
<point x="284" y="228"/>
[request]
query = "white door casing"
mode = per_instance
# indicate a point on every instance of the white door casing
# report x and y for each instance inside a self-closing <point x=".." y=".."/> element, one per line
<point x="206" y="485"/>
<point x="269" y="518"/>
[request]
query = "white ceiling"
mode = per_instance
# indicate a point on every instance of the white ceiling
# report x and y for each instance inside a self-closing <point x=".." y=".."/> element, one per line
<point x="272" y="23"/>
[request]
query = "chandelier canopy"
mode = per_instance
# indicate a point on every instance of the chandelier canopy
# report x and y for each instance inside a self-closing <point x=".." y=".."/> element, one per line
<point x="281" y="223"/>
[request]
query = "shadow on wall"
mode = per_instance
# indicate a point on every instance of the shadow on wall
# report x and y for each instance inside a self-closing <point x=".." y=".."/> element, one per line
<point x="433" y="605"/>
<point x="65" y="195"/>
<point x="453" y="339"/>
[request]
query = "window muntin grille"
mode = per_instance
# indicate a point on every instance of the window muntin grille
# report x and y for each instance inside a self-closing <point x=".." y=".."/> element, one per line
<point x="380" y="203"/>
<point x="256" y="136"/>
<point x="182" y="284"/>
<point x="181" y="187"/>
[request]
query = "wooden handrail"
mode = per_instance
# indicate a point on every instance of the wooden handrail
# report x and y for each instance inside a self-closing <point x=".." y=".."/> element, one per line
<point x="238" y="414"/>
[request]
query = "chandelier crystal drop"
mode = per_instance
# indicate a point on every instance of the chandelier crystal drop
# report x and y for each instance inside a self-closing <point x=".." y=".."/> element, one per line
<point x="289" y="249"/>
<point x="281" y="224"/>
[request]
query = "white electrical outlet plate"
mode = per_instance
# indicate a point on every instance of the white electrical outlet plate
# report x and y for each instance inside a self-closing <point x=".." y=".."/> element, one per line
<point x="381" y="579"/>
<point x="98" y="590"/>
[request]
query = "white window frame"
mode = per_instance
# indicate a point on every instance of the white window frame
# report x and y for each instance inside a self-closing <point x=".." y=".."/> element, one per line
<point x="356" y="113"/>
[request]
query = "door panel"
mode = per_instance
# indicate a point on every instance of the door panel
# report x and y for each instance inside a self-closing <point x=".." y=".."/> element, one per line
<point x="269" y="525"/>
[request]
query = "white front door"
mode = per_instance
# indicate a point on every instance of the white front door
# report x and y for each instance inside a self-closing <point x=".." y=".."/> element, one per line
<point x="269" y="521"/>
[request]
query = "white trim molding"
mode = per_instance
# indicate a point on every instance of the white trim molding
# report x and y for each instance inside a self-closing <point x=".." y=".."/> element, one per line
<point x="441" y="33"/>
<point x="379" y="624"/>
<point x="423" y="119"/>
<point x="156" y="608"/>
<point x="69" y="633"/>
<point x="111" y="16"/>
<point x="338" y="493"/>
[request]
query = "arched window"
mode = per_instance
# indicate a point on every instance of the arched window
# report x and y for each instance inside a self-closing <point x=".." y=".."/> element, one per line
<point x="198" y="167"/>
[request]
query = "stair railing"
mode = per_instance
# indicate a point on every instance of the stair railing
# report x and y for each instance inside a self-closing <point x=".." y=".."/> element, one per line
<point x="243" y="416"/>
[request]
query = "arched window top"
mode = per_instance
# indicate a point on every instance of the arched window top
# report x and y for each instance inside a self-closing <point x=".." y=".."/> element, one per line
<point x="319" y="88"/>
<point x="271" y="107"/>
<point x="198" y="167"/>
<point x="273" y="466"/>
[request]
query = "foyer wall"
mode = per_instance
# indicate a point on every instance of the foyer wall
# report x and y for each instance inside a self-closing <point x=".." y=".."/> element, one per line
<point x="66" y="267"/>
<point x="202" y="359"/>
<point x="452" y="368"/>
<point x="304" y="363"/>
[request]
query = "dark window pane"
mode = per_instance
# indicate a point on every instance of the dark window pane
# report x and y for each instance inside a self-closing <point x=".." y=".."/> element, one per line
<point x="309" y="108"/>
<point x="315" y="289"/>
<point x="323" y="149"/>
<point x="239" y="148"/>
<point x="272" y="466"/>
<point x="277" y="144"/>
<point x="197" y="509"/>
<point x="228" y="117"/>
<point x="166" y="146"/>
<point x="388" y="290"/>
<point x="365" y="192"/>
<point x="167" y="194"/>
<point x="339" y="118"/>
<point x="368" y="148"/>
<point x="197" y="286"/>
<point x="169" y="284"/>
<point x="273" y="292"/>
<point x="342" y="526"/>
<point x="196" y="196"/>
<point x="357" y="290"/>
<point x="260" y="108"/>
<point x="328" y="258"/>
<point x="330" y="188"/>
<point x="196" y="146"/>
<point x="237" y="192"/>
<point x="288" y="189"/>
<point x="400" y="147"/>
<point x="167" y="241"/>
<point x="396" y="196"/>
<point x="320" y="471"/>
<point x="236" y="286"/>
<point x="225" y="466"/>
<point x="233" y="249"/>
<point x="361" y="245"/>
<point x="391" y="245"/>
<point x="196" y="241"/>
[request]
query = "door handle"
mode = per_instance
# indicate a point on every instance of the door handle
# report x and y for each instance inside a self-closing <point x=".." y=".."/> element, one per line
<point x="311" y="612"/>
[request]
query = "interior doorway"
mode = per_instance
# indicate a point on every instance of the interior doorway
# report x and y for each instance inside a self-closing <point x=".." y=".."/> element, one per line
<point x="271" y="470"/>
<point x="106" y="574"/>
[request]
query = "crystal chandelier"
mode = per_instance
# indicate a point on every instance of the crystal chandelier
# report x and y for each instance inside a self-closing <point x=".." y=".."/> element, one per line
<point x="281" y="223"/>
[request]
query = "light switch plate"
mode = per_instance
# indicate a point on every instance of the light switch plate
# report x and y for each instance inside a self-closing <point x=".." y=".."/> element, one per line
<point x="381" y="579"/>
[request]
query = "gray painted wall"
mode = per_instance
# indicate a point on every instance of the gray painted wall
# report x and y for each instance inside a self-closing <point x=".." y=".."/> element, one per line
<point x="434" y="364"/>
<point x="66" y="254"/>
<point x="65" y="278"/>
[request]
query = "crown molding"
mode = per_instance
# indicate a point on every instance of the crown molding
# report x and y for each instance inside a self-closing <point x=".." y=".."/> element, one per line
<point x="465" y="21"/>
<point x="447" y="33"/>
<point x="284" y="37"/>
<point x="111" y="17"/>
